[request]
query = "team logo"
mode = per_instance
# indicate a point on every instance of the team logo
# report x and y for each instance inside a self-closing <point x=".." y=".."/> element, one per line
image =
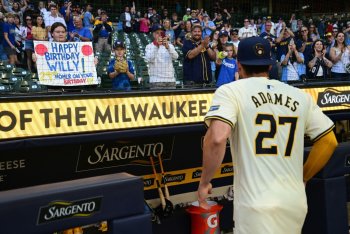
<point x="66" y="209"/>
<point x="332" y="97"/>
<point x="259" y="49"/>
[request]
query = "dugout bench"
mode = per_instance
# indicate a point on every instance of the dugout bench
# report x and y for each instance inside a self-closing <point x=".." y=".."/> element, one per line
<point x="116" y="198"/>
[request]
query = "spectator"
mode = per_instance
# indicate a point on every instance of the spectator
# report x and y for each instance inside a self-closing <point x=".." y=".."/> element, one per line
<point x="292" y="64"/>
<point x="159" y="55"/>
<point x="227" y="27"/>
<point x="28" y="44"/>
<point x="185" y="33"/>
<point x="144" y="24"/>
<point x="15" y="8"/>
<point x="9" y="42"/>
<point x="214" y="40"/>
<point x="219" y="21"/>
<point x="194" y="19"/>
<point x="347" y="33"/>
<point x="234" y="38"/>
<point x="71" y="12"/>
<point x="187" y="15"/>
<point x="279" y="26"/>
<point x="39" y="31"/>
<point x="321" y="28"/>
<point x="59" y="32"/>
<point x="135" y="19"/>
<point x="335" y="32"/>
<point x="198" y="55"/>
<point x="246" y="31"/>
<point x="42" y="8"/>
<point x="88" y="18"/>
<point x="282" y="42"/>
<point x="103" y="34"/>
<point x="120" y="70"/>
<point x="329" y="43"/>
<point x="125" y="17"/>
<point x="3" y="55"/>
<point x="176" y="25"/>
<point x="19" y="38"/>
<point x="293" y="23"/>
<point x="319" y="64"/>
<point x="149" y="12"/>
<point x="253" y="25"/>
<point x="52" y="18"/>
<point x="207" y="25"/>
<point x="80" y="33"/>
<point x="223" y="39"/>
<point x="229" y="68"/>
<point x="165" y="15"/>
<point x="155" y="18"/>
<point x="339" y="54"/>
<point x="268" y="35"/>
<point x="2" y="9"/>
<point x="305" y="45"/>
<point x="63" y="8"/>
<point x="169" y="32"/>
<point x="313" y="33"/>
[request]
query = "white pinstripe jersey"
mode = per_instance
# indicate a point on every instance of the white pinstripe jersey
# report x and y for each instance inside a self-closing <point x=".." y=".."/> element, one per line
<point x="269" y="120"/>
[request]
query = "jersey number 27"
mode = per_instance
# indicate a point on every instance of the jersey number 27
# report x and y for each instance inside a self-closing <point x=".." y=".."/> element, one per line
<point x="272" y="149"/>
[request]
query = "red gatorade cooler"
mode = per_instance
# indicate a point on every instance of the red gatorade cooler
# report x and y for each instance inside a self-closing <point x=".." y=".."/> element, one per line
<point x="204" y="221"/>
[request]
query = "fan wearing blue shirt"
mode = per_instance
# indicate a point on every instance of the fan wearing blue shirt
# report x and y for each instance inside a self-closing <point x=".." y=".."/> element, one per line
<point x="229" y="69"/>
<point x="80" y="33"/>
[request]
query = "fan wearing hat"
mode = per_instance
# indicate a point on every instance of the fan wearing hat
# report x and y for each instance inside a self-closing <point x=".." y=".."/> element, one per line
<point x="102" y="33"/>
<point x="198" y="54"/>
<point x="159" y="55"/>
<point x="120" y="70"/>
<point x="265" y="121"/>
<point x="207" y="25"/>
<point x="187" y="15"/>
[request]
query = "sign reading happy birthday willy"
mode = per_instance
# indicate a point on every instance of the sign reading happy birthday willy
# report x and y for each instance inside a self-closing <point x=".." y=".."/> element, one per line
<point x="65" y="64"/>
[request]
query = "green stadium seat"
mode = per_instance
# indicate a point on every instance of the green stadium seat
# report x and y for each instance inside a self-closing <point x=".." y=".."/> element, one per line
<point x="27" y="86"/>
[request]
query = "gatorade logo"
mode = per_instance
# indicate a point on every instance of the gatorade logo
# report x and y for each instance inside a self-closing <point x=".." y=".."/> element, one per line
<point x="212" y="221"/>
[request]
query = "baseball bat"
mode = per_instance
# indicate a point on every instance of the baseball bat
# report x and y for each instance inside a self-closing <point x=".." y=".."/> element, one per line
<point x="160" y="192"/>
<point x="166" y="190"/>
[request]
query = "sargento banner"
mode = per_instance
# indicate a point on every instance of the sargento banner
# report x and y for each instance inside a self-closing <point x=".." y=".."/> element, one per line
<point x="19" y="119"/>
<point x="51" y="117"/>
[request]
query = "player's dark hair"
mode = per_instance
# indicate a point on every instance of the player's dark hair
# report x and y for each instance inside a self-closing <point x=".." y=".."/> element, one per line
<point x="250" y="70"/>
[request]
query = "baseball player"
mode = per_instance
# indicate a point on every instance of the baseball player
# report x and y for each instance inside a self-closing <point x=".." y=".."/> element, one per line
<point x="266" y="121"/>
<point x="120" y="70"/>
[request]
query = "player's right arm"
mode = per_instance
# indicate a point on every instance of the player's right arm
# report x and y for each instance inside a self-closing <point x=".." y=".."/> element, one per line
<point x="214" y="147"/>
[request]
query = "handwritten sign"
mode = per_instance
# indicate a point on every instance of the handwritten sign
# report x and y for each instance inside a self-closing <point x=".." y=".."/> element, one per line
<point x="65" y="64"/>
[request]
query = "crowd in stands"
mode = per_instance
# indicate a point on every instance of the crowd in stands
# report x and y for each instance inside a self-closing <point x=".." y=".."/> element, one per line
<point x="206" y="39"/>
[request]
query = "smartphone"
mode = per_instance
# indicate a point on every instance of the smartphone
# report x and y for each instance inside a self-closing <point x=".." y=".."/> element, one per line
<point x="162" y="34"/>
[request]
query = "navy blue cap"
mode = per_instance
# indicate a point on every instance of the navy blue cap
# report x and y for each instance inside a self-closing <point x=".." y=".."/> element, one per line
<point x="117" y="44"/>
<point x="223" y="33"/>
<point x="254" y="51"/>
<point x="156" y="27"/>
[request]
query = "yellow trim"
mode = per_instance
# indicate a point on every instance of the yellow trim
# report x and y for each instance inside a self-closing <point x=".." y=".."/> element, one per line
<point x="219" y="118"/>
<point x="323" y="134"/>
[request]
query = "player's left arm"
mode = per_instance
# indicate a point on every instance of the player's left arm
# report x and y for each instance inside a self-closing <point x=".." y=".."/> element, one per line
<point x="319" y="155"/>
<point x="214" y="147"/>
<point x="320" y="129"/>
